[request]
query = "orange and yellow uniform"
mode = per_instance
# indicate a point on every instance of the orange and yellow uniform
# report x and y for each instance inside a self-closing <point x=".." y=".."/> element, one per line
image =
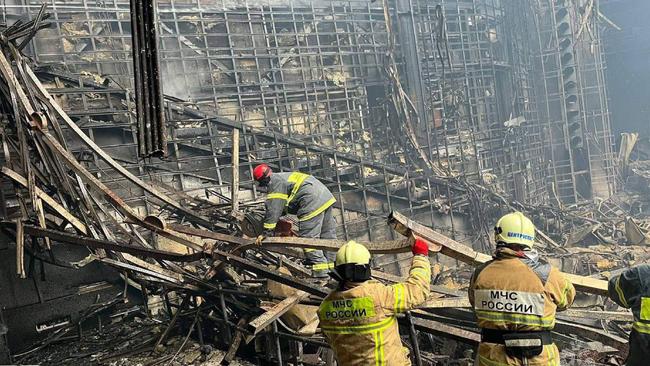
<point x="360" y="320"/>
<point x="509" y="296"/>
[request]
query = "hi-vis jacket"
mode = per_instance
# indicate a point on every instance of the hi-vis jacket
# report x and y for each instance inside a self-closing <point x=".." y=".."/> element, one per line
<point x="360" y="321"/>
<point x="507" y="294"/>
<point x="300" y="193"/>
<point x="631" y="290"/>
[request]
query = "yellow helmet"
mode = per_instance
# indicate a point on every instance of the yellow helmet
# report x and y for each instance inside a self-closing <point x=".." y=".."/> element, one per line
<point x="352" y="262"/>
<point x="515" y="228"/>
<point x="352" y="253"/>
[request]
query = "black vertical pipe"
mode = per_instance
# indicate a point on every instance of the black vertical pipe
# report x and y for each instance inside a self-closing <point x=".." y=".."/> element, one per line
<point x="414" y="339"/>
<point x="152" y="139"/>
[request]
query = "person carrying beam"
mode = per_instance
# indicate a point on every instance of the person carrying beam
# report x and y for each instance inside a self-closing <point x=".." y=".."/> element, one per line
<point x="515" y="297"/>
<point x="359" y="318"/>
<point x="305" y="196"/>
<point x="631" y="290"/>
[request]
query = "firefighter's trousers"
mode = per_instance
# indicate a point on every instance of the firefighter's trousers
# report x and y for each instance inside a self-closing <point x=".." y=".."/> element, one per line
<point x="322" y="226"/>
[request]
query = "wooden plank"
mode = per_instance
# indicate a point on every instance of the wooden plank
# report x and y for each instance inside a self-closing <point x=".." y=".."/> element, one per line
<point x="588" y="284"/>
<point x="236" y="342"/>
<point x="450" y="302"/>
<point x="207" y="234"/>
<point x="596" y="315"/>
<point x="40" y="215"/>
<point x="234" y="187"/>
<point x="73" y="220"/>
<point x="454" y="249"/>
<point x="261" y="322"/>
<point x="152" y="267"/>
<point x="68" y="238"/>
<point x="437" y="289"/>
<point x="385" y="247"/>
<point x="445" y="330"/>
<point x="20" y="249"/>
<point x="14" y="86"/>
<point x="437" y="241"/>
<point x="138" y="269"/>
<point x="602" y="336"/>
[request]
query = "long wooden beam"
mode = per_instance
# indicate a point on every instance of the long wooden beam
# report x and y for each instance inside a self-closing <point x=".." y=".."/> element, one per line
<point x="261" y="322"/>
<point x="402" y="224"/>
<point x="68" y="238"/>
<point x="596" y="315"/>
<point x="236" y="342"/>
<point x="383" y="247"/>
<point x="446" y="330"/>
<point x="463" y="253"/>
<point x="602" y="336"/>
<point x="73" y="220"/>
<point x="449" y="302"/>
<point x="562" y="327"/>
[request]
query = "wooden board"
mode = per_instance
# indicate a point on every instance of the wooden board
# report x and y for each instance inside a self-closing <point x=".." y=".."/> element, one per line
<point x="261" y="322"/>
<point x="463" y="253"/>
<point x="73" y="220"/>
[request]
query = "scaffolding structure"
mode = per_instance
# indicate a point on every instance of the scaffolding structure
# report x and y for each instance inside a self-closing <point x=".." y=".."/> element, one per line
<point x="479" y="88"/>
<point x="305" y="83"/>
<point x="575" y="109"/>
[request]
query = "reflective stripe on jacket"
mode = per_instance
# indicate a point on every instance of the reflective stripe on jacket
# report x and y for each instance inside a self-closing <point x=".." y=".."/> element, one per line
<point x="360" y="321"/>
<point x="300" y="193"/>
<point x="631" y="290"/>
<point x="507" y="294"/>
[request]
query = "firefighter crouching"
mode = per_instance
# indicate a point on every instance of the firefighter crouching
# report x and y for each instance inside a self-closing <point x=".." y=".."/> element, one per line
<point x="515" y="297"/>
<point x="359" y="317"/>
<point x="305" y="196"/>
<point x="631" y="290"/>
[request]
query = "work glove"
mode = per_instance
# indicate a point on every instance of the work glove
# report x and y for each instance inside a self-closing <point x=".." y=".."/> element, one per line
<point x="420" y="247"/>
<point x="259" y="239"/>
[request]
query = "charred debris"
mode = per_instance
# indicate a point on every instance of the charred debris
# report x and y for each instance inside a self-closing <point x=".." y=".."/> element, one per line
<point x="128" y="227"/>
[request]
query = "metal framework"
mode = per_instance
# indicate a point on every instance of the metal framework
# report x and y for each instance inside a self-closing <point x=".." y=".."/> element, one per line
<point x="575" y="107"/>
<point x="305" y="83"/>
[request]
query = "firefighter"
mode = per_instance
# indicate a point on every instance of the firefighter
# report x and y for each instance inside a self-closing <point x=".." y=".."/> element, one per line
<point x="359" y="317"/>
<point x="631" y="289"/>
<point x="305" y="196"/>
<point x="515" y="297"/>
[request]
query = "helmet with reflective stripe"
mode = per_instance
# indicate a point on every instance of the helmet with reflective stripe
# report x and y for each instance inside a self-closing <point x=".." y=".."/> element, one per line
<point x="352" y="262"/>
<point x="515" y="228"/>
<point x="261" y="172"/>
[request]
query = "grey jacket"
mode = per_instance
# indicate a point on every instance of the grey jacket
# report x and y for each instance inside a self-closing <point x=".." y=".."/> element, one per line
<point x="631" y="290"/>
<point x="301" y="194"/>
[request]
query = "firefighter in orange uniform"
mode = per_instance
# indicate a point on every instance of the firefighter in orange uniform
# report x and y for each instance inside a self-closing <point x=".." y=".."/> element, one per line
<point x="515" y="297"/>
<point x="359" y="317"/>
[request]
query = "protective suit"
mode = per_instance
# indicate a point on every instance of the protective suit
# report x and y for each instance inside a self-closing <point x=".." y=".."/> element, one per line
<point x="309" y="199"/>
<point x="631" y="290"/>
<point x="359" y="319"/>
<point x="515" y="298"/>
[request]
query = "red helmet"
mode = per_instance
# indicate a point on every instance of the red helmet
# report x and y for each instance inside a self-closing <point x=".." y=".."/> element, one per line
<point x="261" y="172"/>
